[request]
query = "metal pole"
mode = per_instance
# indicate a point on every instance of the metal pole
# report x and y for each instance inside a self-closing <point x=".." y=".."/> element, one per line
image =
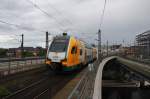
<point x="107" y="47"/>
<point x="9" y="65"/>
<point x="22" y="47"/>
<point x="99" y="44"/>
<point x="46" y="46"/>
<point x="149" y="46"/>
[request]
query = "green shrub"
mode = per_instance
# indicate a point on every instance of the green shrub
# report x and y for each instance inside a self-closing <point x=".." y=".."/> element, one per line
<point x="3" y="91"/>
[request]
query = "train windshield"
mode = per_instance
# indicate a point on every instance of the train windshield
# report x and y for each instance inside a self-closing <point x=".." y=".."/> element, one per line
<point x="59" y="45"/>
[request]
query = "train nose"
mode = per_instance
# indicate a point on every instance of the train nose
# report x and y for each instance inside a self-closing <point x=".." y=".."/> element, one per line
<point x="56" y="57"/>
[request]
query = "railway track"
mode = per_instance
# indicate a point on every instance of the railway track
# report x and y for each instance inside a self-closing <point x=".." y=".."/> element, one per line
<point x="19" y="75"/>
<point x="45" y="87"/>
<point x="26" y="92"/>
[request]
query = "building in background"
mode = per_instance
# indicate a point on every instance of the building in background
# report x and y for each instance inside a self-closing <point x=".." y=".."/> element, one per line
<point x="115" y="47"/>
<point x="130" y="51"/>
<point x="28" y="52"/>
<point x="143" y="42"/>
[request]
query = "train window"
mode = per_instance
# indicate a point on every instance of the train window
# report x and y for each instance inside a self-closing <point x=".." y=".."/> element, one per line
<point x="74" y="50"/>
<point x="80" y="51"/>
<point x="59" y="45"/>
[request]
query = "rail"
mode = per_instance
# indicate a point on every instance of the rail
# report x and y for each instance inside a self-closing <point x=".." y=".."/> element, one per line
<point x="11" y="66"/>
<point x="85" y="87"/>
<point x="21" y="91"/>
<point x="144" y="61"/>
<point x="138" y="67"/>
<point x="46" y="94"/>
<point x="19" y="59"/>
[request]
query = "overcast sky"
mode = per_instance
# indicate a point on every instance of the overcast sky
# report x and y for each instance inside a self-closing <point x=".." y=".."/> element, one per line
<point x="123" y="19"/>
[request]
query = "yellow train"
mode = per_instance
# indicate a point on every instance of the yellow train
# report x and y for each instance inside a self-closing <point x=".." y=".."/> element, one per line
<point x="67" y="53"/>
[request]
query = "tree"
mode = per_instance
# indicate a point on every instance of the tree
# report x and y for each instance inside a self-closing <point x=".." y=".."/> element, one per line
<point x="3" y="52"/>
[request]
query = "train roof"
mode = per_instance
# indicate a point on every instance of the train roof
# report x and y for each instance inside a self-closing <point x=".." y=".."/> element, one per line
<point x="62" y="37"/>
<point x="68" y="37"/>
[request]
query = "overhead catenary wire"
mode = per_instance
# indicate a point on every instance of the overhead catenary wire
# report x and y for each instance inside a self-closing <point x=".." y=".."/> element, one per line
<point x="12" y="38"/>
<point x="103" y="12"/>
<point x="20" y="26"/>
<point x="59" y="12"/>
<point x="11" y="41"/>
<point x="16" y="39"/>
<point x="47" y="14"/>
<point x="14" y="35"/>
<point x="33" y="41"/>
<point x="99" y="31"/>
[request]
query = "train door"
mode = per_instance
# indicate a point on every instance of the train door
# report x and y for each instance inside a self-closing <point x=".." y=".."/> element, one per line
<point x="82" y="53"/>
<point x="86" y="59"/>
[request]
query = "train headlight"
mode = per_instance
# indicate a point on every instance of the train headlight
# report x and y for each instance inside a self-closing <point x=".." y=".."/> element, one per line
<point x="64" y="62"/>
<point x="48" y="61"/>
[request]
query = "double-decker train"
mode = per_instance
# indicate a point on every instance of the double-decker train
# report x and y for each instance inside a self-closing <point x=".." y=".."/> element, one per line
<point x="67" y="53"/>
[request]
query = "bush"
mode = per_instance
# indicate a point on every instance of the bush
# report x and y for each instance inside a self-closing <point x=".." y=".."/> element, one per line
<point x="3" y="52"/>
<point x="3" y="91"/>
<point x="27" y="54"/>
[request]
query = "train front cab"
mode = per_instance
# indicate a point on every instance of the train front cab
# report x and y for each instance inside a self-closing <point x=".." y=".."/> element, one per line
<point x="56" y="54"/>
<point x="72" y="59"/>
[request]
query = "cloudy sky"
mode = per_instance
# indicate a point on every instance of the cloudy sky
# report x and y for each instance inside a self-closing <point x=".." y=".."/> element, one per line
<point x="123" y="19"/>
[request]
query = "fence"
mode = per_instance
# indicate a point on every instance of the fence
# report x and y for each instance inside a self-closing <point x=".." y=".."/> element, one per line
<point x="11" y="66"/>
<point x="85" y="87"/>
<point x="144" y="61"/>
<point x="131" y="57"/>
